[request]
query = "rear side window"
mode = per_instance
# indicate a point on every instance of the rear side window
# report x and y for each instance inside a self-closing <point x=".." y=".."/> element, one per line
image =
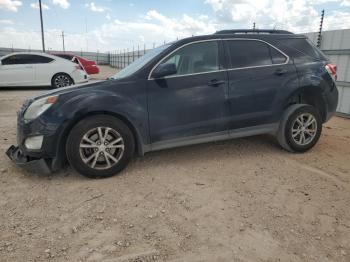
<point x="196" y="58"/>
<point x="68" y="57"/>
<point x="23" y="59"/>
<point x="305" y="50"/>
<point x="37" y="59"/>
<point x="250" y="53"/>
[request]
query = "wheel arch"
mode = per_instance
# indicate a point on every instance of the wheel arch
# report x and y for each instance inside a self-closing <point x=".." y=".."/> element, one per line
<point x="310" y="96"/>
<point x="61" y="148"/>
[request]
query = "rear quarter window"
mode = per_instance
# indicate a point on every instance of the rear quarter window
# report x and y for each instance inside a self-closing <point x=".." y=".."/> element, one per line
<point x="303" y="50"/>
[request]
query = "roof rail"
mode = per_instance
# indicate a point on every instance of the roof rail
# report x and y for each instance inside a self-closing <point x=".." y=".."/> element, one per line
<point x="252" y="31"/>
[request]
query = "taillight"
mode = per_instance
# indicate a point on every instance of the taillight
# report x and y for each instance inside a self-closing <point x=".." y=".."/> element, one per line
<point x="332" y="70"/>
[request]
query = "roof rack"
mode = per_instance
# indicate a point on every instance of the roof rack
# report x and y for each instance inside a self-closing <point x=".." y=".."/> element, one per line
<point x="253" y="31"/>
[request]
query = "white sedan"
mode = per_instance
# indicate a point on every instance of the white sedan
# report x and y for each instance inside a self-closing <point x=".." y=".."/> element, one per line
<point x="39" y="69"/>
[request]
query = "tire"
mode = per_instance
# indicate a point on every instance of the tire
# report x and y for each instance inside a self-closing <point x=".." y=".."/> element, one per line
<point x="300" y="128"/>
<point x="93" y="142"/>
<point x="61" y="80"/>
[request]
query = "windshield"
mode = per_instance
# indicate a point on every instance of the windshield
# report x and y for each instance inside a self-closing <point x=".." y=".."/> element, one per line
<point x="139" y="63"/>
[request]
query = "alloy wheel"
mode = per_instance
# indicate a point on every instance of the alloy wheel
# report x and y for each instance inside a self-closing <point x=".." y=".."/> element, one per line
<point x="304" y="129"/>
<point x="62" y="81"/>
<point x="101" y="148"/>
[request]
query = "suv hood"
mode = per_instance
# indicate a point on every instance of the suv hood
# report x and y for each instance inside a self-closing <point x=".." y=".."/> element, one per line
<point x="75" y="88"/>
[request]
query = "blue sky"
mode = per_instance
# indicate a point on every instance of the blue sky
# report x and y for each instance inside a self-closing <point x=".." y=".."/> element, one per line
<point x="109" y="25"/>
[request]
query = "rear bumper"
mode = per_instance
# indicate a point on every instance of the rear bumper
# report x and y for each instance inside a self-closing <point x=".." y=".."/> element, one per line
<point x="80" y="76"/>
<point x="30" y="164"/>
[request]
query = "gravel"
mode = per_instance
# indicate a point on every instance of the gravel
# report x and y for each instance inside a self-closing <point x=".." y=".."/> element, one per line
<point x="238" y="200"/>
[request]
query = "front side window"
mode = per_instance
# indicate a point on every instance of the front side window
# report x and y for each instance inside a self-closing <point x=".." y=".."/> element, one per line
<point x="195" y="58"/>
<point x="14" y="60"/>
<point x="250" y="53"/>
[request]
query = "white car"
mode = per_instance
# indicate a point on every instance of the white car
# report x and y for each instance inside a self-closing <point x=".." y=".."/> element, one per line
<point x="39" y="69"/>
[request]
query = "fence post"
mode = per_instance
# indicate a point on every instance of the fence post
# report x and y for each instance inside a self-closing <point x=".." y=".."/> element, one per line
<point x="133" y="53"/>
<point x="124" y="58"/>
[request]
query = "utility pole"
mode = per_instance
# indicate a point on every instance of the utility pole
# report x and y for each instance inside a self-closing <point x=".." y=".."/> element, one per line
<point x="42" y="26"/>
<point x="319" y="38"/>
<point x="64" y="49"/>
<point x="253" y="25"/>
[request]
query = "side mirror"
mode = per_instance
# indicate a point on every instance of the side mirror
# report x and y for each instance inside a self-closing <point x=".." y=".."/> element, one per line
<point x="164" y="70"/>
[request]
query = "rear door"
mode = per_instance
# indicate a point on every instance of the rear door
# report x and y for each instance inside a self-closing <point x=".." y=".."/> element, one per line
<point x="193" y="101"/>
<point x="44" y="69"/>
<point x="16" y="70"/>
<point x="258" y="75"/>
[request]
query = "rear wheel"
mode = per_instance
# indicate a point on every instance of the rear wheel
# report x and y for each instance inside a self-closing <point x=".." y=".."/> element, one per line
<point x="100" y="146"/>
<point x="300" y="128"/>
<point x="61" y="80"/>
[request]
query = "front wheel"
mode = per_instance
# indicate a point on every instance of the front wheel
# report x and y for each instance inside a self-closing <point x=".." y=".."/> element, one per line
<point x="300" y="128"/>
<point x="100" y="146"/>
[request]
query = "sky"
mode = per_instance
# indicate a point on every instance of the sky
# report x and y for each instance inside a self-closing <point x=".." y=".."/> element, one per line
<point x="115" y="25"/>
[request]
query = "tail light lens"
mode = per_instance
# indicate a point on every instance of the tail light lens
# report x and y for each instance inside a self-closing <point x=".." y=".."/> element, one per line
<point x="332" y="70"/>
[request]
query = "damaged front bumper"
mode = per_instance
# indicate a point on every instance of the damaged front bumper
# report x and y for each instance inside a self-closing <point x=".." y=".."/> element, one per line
<point x="30" y="164"/>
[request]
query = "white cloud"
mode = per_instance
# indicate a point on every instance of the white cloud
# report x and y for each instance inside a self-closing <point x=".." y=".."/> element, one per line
<point x="10" y="5"/>
<point x="62" y="3"/>
<point x="6" y="22"/>
<point x="95" y="8"/>
<point x="294" y="15"/>
<point x="153" y="28"/>
<point x="345" y="3"/>
<point x="108" y="17"/>
<point x="36" y="6"/>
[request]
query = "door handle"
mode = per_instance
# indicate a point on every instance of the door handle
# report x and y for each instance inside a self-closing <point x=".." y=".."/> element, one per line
<point x="216" y="82"/>
<point x="280" y="71"/>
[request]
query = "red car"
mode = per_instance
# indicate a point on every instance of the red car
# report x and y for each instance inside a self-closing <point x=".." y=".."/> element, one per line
<point x="89" y="66"/>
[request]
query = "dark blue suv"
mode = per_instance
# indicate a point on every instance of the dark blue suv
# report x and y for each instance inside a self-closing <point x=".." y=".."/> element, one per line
<point x="231" y="84"/>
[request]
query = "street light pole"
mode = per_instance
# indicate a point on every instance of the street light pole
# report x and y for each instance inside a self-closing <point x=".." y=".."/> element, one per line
<point x="42" y="26"/>
<point x="64" y="48"/>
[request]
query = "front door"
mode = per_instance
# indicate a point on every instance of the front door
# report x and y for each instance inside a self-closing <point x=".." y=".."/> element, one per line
<point x="192" y="102"/>
<point x="16" y="70"/>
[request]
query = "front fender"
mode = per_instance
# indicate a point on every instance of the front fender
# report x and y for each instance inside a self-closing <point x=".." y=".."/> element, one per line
<point x="73" y="108"/>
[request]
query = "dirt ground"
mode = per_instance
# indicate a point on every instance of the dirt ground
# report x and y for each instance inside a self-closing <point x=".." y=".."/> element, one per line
<point x="239" y="200"/>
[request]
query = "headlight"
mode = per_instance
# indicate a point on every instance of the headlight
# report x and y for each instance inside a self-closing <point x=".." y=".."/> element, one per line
<point x="38" y="107"/>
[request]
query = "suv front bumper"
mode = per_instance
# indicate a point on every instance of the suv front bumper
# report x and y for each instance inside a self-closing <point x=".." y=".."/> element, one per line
<point x="30" y="164"/>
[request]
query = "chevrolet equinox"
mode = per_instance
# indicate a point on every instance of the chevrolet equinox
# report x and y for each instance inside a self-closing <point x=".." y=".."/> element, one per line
<point x="234" y="83"/>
